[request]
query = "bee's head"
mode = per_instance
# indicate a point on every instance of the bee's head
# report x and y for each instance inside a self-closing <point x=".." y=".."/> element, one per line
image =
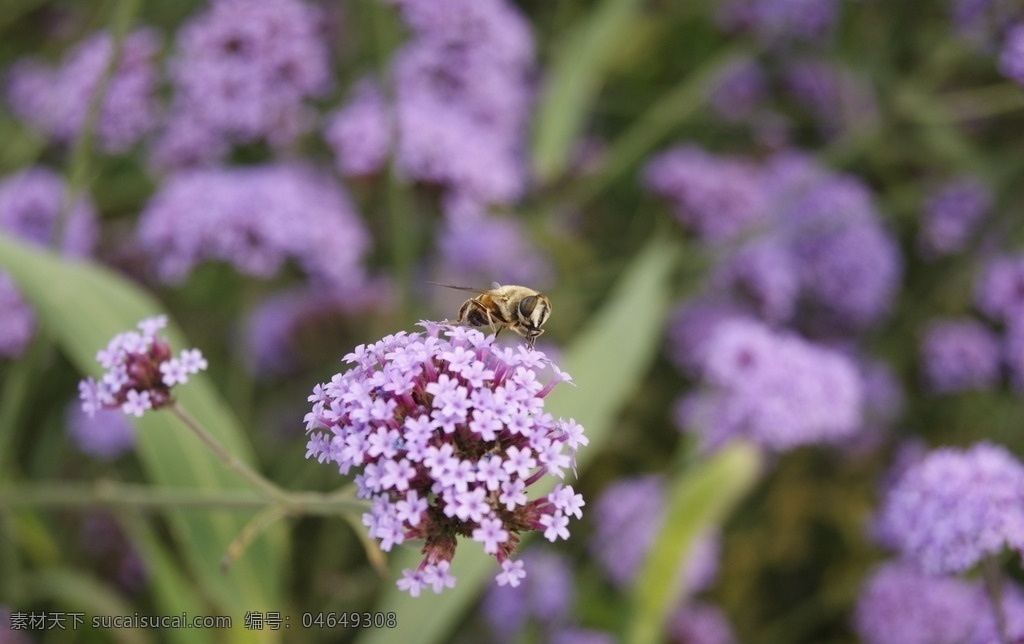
<point x="533" y="312"/>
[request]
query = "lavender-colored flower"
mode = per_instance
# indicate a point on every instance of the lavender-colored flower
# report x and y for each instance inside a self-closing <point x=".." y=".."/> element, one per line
<point x="691" y="324"/>
<point x="1011" y="58"/>
<point x="421" y="415"/>
<point x="628" y="516"/>
<point x="106" y="434"/>
<point x="576" y="635"/>
<point x="776" y="389"/>
<point x="764" y="274"/>
<point x="141" y="371"/>
<point x="31" y="202"/>
<point x="360" y="132"/>
<point x="544" y="597"/>
<point x="485" y="248"/>
<point x="256" y="218"/>
<point x="738" y="90"/>
<point x="999" y="289"/>
<point x="958" y="355"/>
<point x="56" y="101"/>
<point x="242" y="72"/>
<point x="717" y="198"/>
<point x="955" y="507"/>
<point x="899" y="604"/>
<point x="699" y="623"/>
<point x="986" y="630"/>
<point x="849" y="266"/>
<point x="950" y="216"/>
<point x="780" y="20"/>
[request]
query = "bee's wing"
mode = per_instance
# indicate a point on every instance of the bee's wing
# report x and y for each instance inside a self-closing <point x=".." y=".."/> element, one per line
<point x="458" y="288"/>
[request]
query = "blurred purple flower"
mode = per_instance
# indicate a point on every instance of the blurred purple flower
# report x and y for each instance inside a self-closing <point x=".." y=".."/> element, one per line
<point x="738" y="90"/>
<point x="955" y="507"/>
<point x="485" y="248"/>
<point x="699" y="623"/>
<point x="985" y="21"/>
<point x="1011" y="58"/>
<point x="691" y="325"/>
<point x="545" y="596"/>
<point x="999" y="289"/>
<point x="986" y="630"/>
<point x="959" y="354"/>
<point x="764" y="274"/>
<point x="360" y="132"/>
<point x="448" y="431"/>
<point x="241" y="72"/>
<point x="716" y="197"/>
<point x="951" y="215"/>
<point x="780" y="20"/>
<point x="627" y="518"/>
<point x="576" y="635"/>
<point x="1013" y="352"/>
<point x="31" y="202"/>
<point x="776" y="389"/>
<point x="106" y="434"/>
<point x="56" y="101"/>
<point x="102" y="537"/>
<point x="837" y="99"/>
<point x="899" y="604"/>
<point x="256" y="218"/>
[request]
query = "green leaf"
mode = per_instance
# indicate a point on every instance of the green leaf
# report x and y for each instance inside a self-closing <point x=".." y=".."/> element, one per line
<point x="82" y="305"/>
<point x="607" y="362"/>
<point x="698" y="502"/>
<point x="575" y="79"/>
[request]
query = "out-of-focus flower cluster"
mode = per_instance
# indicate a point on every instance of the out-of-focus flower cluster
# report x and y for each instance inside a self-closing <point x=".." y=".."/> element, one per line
<point x="448" y="431"/>
<point x="141" y="371"/>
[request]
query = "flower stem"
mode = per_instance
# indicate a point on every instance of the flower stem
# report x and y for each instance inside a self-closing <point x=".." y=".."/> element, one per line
<point x="269" y="489"/>
<point x="994" y="588"/>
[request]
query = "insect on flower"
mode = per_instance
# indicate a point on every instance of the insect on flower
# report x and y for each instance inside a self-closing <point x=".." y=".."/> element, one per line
<point x="519" y="308"/>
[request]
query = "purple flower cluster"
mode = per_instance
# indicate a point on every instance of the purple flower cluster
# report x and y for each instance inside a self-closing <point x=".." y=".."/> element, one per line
<point x="806" y="236"/>
<point x="56" y="101"/>
<point x="461" y="97"/>
<point x="955" y="507"/>
<point x="699" y="623"/>
<point x="1011" y="58"/>
<point x="448" y="431"/>
<point x="105" y="434"/>
<point x="31" y="202"/>
<point x="544" y="598"/>
<point x="140" y="371"/>
<point x="241" y="73"/>
<point x="899" y="604"/>
<point x="999" y="290"/>
<point x="958" y="355"/>
<point x="480" y="248"/>
<point x="774" y="388"/>
<point x="773" y="21"/>
<point x="628" y="516"/>
<point x="950" y="216"/>
<point x="256" y="218"/>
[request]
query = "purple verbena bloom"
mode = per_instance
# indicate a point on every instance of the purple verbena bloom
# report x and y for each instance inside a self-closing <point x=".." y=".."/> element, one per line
<point x="30" y="203"/>
<point x="899" y="604"/>
<point x="545" y="597"/>
<point x="699" y="623"/>
<point x="627" y="517"/>
<point x="955" y="507"/>
<point x="105" y="434"/>
<point x="950" y="216"/>
<point x="738" y="90"/>
<point x="774" y="388"/>
<point x="999" y="289"/>
<point x="241" y="72"/>
<point x="136" y="377"/>
<point x="360" y="132"/>
<point x="986" y="630"/>
<point x="691" y="324"/>
<point x="404" y="416"/>
<point x="764" y="274"/>
<point x="780" y="20"/>
<point x="56" y="101"/>
<point x="256" y="218"/>
<point x="1011" y="58"/>
<point x="958" y="355"/>
<point x="717" y="198"/>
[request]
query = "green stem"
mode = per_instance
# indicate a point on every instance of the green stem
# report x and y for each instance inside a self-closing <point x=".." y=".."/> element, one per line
<point x="269" y="489"/>
<point x="128" y="496"/>
<point x="14" y="399"/>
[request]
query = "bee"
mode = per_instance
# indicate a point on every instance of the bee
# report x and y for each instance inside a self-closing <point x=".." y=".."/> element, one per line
<point x="521" y="309"/>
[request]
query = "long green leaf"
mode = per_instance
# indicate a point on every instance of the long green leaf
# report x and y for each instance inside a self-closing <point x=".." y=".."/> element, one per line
<point x="699" y="501"/>
<point x="574" y="80"/>
<point x="607" y="362"/>
<point x="83" y="305"/>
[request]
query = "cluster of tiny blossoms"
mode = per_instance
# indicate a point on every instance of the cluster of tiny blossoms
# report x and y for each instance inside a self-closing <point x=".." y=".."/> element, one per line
<point x="140" y="371"/>
<point x="449" y="431"/>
